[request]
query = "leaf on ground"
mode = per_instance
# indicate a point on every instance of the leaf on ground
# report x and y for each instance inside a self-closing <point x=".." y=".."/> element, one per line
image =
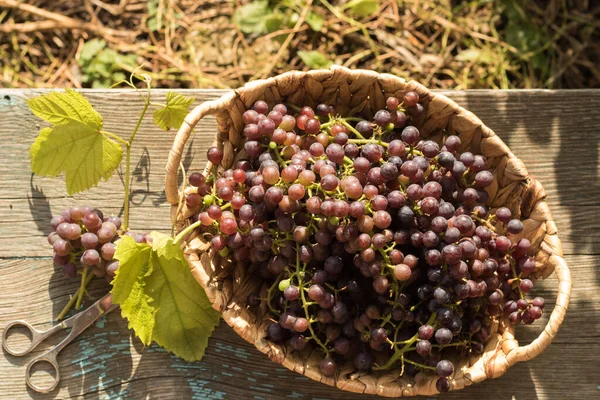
<point x="60" y="108"/>
<point x="90" y="49"/>
<point x="362" y="8"/>
<point x="252" y="17"/>
<point x="160" y="298"/>
<point x="173" y="114"/>
<point x="315" y="21"/>
<point x="314" y="59"/>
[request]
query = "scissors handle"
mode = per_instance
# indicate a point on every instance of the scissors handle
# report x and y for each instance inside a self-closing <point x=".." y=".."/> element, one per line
<point x="49" y="357"/>
<point x="37" y="336"/>
<point x="79" y="323"/>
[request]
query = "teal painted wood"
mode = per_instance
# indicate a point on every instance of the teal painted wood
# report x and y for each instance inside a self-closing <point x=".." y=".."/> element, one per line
<point x="554" y="132"/>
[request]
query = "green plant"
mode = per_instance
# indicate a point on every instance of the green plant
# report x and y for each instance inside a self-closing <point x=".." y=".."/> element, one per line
<point x="101" y="66"/>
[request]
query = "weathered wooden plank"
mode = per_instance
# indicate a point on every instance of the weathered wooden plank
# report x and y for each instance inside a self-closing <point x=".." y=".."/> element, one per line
<point x="556" y="137"/>
<point x="106" y="361"/>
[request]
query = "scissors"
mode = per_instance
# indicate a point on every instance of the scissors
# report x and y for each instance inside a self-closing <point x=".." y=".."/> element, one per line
<point x="78" y="323"/>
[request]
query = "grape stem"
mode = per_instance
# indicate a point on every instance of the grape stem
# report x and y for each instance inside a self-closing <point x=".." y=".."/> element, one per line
<point x="352" y="129"/>
<point x="74" y="298"/>
<point x="484" y="222"/>
<point x="304" y="302"/>
<point x="82" y="287"/>
<point x="400" y="353"/>
<point x="514" y="271"/>
<point x="416" y="364"/>
<point x="184" y="232"/>
<point x="366" y="141"/>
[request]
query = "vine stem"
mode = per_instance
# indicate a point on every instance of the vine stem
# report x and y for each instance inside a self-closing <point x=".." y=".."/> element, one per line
<point x="128" y="162"/>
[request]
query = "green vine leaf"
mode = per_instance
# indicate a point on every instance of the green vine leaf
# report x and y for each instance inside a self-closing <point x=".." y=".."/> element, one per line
<point x="173" y="114"/>
<point x="75" y="145"/>
<point x="160" y="298"/>
<point x="60" y="108"/>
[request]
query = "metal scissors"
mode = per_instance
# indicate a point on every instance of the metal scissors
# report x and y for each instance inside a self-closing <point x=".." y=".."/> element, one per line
<point x="78" y="323"/>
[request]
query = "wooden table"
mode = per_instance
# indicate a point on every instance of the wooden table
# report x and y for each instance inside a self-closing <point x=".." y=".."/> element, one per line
<point x="556" y="134"/>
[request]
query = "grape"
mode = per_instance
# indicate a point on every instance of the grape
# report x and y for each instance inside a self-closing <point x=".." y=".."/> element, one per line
<point x="503" y="214"/>
<point x="215" y="155"/>
<point x="382" y="117"/>
<point x="91" y="221"/>
<point x="444" y="368"/>
<point x="69" y="270"/>
<point x="526" y="285"/>
<point x="327" y="367"/>
<point x="61" y="247"/>
<point x="410" y="99"/>
<point x="300" y="325"/>
<point x="335" y="153"/>
<point x="105" y="235"/>
<point x="483" y="179"/>
<point x="410" y="135"/>
<point x="425" y="332"/>
<point x="60" y="260"/>
<point x="442" y="385"/>
<point x="514" y="226"/>
<point x="443" y="336"/>
<point x="90" y="257"/>
<point x="107" y="251"/>
<point x="291" y="293"/>
<point x="89" y="240"/>
<point x="363" y="361"/>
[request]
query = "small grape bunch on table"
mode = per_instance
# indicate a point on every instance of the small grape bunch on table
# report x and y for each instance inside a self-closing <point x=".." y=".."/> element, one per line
<point x="373" y="245"/>
<point x="83" y="241"/>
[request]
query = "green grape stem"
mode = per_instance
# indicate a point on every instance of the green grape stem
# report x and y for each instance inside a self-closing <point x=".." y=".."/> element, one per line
<point x="400" y="353"/>
<point x="82" y="286"/>
<point x="305" y="303"/>
<point x="128" y="155"/>
<point x="67" y="307"/>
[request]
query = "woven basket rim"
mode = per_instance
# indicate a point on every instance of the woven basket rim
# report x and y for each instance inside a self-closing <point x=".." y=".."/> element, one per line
<point x="502" y="351"/>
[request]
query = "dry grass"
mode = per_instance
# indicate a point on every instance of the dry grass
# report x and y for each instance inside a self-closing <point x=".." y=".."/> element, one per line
<point x="191" y="43"/>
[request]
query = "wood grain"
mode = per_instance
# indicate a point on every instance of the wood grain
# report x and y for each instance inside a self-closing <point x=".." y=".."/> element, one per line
<point x="554" y="132"/>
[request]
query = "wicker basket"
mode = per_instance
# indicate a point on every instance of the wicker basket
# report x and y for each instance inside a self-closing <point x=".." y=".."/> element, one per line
<point x="228" y="285"/>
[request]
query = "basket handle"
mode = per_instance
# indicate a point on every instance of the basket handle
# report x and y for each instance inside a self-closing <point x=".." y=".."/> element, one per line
<point x="524" y="353"/>
<point x="183" y="134"/>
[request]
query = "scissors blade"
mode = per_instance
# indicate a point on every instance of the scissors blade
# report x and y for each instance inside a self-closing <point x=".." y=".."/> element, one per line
<point x="80" y="322"/>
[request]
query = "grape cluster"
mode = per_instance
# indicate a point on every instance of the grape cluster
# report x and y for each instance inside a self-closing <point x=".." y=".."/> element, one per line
<point x="376" y="245"/>
<point x="83" y="237"/>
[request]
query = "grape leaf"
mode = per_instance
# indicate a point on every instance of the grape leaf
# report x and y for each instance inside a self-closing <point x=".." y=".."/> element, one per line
<point x="314" y="59"/>
<point x="173" y="114"/>
<point x="60" y="108"/>
<point x="160" y="298"/>
<point x="83" y="153"/>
